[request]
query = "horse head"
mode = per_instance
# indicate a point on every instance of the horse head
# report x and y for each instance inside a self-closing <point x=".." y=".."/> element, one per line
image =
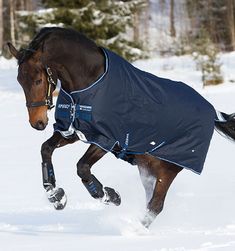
<point x="37" y="83"/>
<point x="49" y="57"/>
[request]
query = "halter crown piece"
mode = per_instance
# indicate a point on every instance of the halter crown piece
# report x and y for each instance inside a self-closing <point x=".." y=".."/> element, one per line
<point x="49" y="99"/>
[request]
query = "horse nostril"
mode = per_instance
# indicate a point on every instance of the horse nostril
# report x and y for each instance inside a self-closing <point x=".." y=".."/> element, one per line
<point x="40" y="125"/>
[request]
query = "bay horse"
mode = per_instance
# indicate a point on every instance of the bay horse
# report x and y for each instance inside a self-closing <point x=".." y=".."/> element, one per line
<point x="162" y="126"/>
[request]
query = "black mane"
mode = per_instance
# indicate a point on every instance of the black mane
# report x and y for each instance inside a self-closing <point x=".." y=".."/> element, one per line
<point x="34" y="45"/>
<point x="44" y="33"/>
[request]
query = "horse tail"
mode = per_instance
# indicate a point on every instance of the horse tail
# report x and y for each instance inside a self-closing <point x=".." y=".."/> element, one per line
<point x="225" y="125"/>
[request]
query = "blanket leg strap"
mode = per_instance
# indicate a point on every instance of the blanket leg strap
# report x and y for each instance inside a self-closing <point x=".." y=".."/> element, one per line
<point x="122" y="153"/>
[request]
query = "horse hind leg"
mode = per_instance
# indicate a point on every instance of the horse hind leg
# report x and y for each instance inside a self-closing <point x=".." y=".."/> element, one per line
<point x="148" y="181"/>
<point x="164" y="174"/>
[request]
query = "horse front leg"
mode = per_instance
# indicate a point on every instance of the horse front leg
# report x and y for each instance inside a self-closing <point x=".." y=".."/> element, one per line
<point x="55" y="195"/>
<point x="92" y="184"/>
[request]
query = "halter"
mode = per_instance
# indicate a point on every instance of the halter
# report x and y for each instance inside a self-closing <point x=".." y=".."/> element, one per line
<point x="49" y="100"/>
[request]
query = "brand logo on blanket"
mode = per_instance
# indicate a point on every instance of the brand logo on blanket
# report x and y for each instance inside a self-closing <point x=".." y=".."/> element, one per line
<point x="63" y="106"/>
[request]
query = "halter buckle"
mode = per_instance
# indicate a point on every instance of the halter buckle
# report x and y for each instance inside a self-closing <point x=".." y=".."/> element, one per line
<point x="49" y="104"/>
<point x="49" y="72"/>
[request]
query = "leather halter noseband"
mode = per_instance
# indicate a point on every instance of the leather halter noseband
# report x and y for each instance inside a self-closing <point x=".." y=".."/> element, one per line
<point x="49" y="99"/>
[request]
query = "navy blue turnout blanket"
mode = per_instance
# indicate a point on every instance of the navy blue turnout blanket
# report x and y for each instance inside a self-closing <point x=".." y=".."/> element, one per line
<point x="140" y="112"/>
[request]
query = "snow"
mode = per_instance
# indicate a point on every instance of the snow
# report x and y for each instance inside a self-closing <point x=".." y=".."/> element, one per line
<point x="175" y="68"/>
<point x="198" y="213"/>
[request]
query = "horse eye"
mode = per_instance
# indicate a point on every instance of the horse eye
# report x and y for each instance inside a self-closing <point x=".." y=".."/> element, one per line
<point x="38" y="81"/>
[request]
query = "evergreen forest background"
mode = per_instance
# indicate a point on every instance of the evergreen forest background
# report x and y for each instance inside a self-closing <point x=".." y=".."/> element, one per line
<point x="135" y="29"/>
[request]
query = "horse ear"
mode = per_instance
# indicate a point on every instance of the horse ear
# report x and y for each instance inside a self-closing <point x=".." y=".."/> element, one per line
<point x="13" y="50"/>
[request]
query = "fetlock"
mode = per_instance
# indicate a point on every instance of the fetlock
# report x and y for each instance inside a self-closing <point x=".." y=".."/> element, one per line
<point x="94" y="187"/>
<point x="107" y="195"/>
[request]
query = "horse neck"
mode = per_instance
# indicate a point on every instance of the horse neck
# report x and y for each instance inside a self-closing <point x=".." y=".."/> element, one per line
<point x="78" y="71"/>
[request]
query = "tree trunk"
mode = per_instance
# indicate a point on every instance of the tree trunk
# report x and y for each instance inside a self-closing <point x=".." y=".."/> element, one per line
<point x="29" y="5"/>
<point x="146" y="14"/>
<point x="1" y="26"/>
<point x="12" y="21"/>
<point x="172" y="19"/>
<point x="21" y="5"/>
<point x="231" y="23"/>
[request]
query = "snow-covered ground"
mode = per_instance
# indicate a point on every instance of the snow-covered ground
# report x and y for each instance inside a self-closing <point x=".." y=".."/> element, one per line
<point x="199" y="210"/>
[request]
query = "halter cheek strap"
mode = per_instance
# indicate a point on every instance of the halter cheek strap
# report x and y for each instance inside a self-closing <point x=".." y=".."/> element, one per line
<point x="49" y="99"/>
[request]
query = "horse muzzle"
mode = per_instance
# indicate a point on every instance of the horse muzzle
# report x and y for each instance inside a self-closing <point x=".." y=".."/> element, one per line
<point x="39" y="125"/>
<point x="38" y="117"/>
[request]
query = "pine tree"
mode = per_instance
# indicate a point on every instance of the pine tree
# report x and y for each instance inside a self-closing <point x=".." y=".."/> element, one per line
<point x="10" y="22"/>
<point x="105" y="21"/>
<point x="206" y="57"/>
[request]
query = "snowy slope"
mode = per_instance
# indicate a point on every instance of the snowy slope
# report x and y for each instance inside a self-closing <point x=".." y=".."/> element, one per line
<point x="199" y="210"/>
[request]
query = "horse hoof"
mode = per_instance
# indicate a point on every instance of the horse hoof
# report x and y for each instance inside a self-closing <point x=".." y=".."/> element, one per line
<point x="111" y="196"/>
<point x="58" y="198"/>
<point x="148" y="219"/>
<point x="59" y="205"/>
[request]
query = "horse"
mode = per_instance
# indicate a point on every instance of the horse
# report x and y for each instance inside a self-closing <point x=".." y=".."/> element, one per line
<point x="159" y="125"/>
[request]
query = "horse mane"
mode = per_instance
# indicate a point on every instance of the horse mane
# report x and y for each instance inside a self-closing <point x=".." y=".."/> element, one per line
<point x="44" y="33"/>
<point x="34" y="45"/>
